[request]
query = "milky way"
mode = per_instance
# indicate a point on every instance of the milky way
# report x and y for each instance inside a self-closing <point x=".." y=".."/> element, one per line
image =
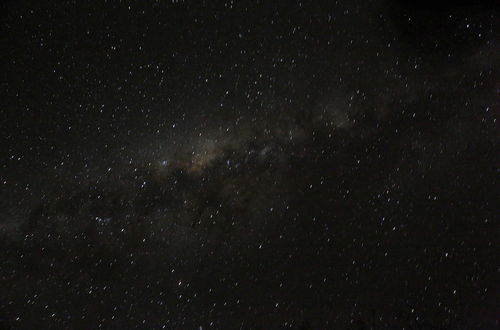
<point x="192" y="165"/>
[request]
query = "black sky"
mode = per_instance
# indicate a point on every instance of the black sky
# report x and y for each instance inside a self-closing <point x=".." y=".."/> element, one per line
<point x="248" y="164"/>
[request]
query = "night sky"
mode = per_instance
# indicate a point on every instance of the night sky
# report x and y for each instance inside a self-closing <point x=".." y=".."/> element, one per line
<point x="249" y="165"/>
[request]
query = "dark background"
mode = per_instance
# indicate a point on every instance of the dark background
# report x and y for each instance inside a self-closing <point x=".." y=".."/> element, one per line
<point x="260" y="164"/>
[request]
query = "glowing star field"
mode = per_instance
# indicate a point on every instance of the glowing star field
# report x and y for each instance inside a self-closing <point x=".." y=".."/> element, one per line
<point x="249" y="165"/>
